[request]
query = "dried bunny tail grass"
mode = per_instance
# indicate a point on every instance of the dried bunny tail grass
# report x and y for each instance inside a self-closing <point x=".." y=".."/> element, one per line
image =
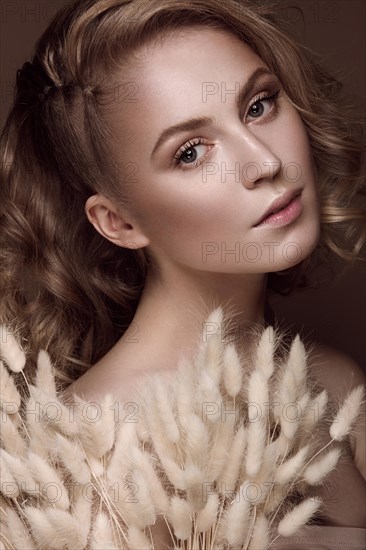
<point x="168" y="453"/>
<point x="97" y="428"/>
<point x="347" y="414"/>
<point x="208" y="394"/>
<point x="81" y="509"/>
<point x="258" y="400"/>
<point x="291" y="384"/>
<point x="214" y="323"/>
<point x="164" y="400"/>
<point x="148" y="408"/>
<point x="11" y="439"/>
<point x="195" y="480"/>
<point x="264" y="359"/>
<point x="9" y="395"/>
<point x="232" y="371"/>
<point x="290" y="396"/>
<point x="258" y="396"/>
<point x="45" y="378"/>
<point x="73" y="458"/>
<point x="302" y="405"/>
<point x="102" y="537"/>
<point x="176" y="450"/>
<point x="51" y="410"/>
<point x="5" y="543"/>
<point x="9" y="486"/>
<point x="298" y="516"/>
<point x="19" y="533"/>
<point x="137" y="540"/>
<point x="20" y="471"/>
<point x="126" y="440"/>
<point x="256" y="443"/>
<point x="260" y="536"/>
<point x="4" y="508"/>
<point x="206" y="518"/>
<point x="213" y="357"/>
<point x="222" y="434"/>
<point x="53" y="528"/>
<point x="65" y="526"/>
<point x="174" y="473"/>
<point x="315" y="410"/>
<point x="235" y="519"/>
<point x="180" y="517"/>
<point x="95" y="465"/>
<point x="265" y="474"/>
<point x="142" y="460"/>
<point x="210" y="352"/>
<point x="196" y="440"/>
<point x="316" y="472"/>
<point x="140" y="508"/>
<point x="43" y="473"/>
<point x="41" y="527"/>
<point x="41" y="437"/>
<point x="288" y="470"/>
<point x="10" y="350"/>
<point x="142" y="431"/>
<point x="294" y="413"/>
<point x="297" y="361"/>
<point x="230" y="474"/>
<point x="185" y="390"/>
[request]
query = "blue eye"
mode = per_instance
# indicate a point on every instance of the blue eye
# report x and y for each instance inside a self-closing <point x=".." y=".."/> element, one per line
<point x="257" y="108"/>
<point x="189" y="154"/>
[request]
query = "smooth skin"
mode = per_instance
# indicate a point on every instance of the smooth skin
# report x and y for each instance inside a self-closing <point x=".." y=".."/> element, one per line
<point x="190" y="211"/>
<point x="197" y="220"/>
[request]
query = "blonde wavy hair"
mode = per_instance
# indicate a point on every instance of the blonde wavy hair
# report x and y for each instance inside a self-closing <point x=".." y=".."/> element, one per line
<point x="64" y="287"/>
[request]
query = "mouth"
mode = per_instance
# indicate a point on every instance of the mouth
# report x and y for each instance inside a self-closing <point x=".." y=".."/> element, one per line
<point x="283" y="211"/>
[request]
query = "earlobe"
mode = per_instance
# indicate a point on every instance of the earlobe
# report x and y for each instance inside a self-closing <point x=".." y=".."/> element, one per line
<point x="112" y="225"/>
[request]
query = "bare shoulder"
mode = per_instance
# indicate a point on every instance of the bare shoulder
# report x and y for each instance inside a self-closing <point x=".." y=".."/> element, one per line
<point x="339" y="373"/>
<point x="93" y="386"/>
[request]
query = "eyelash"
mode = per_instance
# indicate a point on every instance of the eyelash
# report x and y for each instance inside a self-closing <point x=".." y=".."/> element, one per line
<point x="200" y="141"/>
<point x="270" y="96"/>
<point x="188" y="145"/>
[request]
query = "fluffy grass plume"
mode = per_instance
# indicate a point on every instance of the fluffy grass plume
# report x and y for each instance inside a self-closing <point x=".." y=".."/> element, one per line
<point x="202" y="463"/>
<point x="347" y="414"/>
<point x="10" y="350"/>
<point x="298" y="516"/>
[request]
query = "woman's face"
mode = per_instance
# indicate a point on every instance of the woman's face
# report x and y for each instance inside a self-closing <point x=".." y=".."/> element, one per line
<point x="206" y="161"/>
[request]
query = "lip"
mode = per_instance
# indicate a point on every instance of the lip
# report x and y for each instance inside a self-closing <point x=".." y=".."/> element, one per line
<point x="291" y="206"/>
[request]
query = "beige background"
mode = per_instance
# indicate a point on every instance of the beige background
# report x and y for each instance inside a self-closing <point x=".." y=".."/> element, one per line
<point x="332" y="313"/>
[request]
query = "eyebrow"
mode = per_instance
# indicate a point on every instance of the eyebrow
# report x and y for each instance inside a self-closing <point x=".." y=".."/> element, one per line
<point x="198" y="122"/>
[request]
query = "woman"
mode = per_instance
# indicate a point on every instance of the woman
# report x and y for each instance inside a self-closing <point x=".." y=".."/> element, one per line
<point x="163" y="158"/>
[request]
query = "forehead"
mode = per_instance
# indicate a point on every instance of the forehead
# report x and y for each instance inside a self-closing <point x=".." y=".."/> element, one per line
<point x="191" y="58"/>
<point x="174" y="77"/>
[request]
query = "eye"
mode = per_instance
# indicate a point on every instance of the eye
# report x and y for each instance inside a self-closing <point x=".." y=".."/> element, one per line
<point x="191" y="154"/>
<point x="258" y="106"/>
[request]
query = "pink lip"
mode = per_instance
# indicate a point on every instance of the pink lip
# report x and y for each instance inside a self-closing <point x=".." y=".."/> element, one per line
<point x="286" y="215"/>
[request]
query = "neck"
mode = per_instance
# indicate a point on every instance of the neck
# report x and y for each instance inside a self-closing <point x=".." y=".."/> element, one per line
<point x="173" y="308"/>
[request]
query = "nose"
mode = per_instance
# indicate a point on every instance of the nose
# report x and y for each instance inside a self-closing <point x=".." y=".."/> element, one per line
<point x="258" y="162"/>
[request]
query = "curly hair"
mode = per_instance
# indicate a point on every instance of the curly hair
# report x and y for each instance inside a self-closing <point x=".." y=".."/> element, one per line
<point x="64" y="287"/>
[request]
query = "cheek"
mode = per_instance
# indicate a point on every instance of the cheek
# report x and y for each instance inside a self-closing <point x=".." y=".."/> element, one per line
<point x="180" y="228"/>
<point x="172" y="211"/>
<point x="176" y="198"/>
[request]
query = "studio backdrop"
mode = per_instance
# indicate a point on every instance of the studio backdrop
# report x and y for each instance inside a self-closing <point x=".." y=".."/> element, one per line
<point x="334" y="309"/>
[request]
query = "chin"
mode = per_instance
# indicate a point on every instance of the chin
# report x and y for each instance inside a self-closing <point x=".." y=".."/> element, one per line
<point x="294" y="251"/>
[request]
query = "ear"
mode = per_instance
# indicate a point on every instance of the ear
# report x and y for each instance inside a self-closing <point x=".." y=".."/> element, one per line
<point x="112" y="224"/>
